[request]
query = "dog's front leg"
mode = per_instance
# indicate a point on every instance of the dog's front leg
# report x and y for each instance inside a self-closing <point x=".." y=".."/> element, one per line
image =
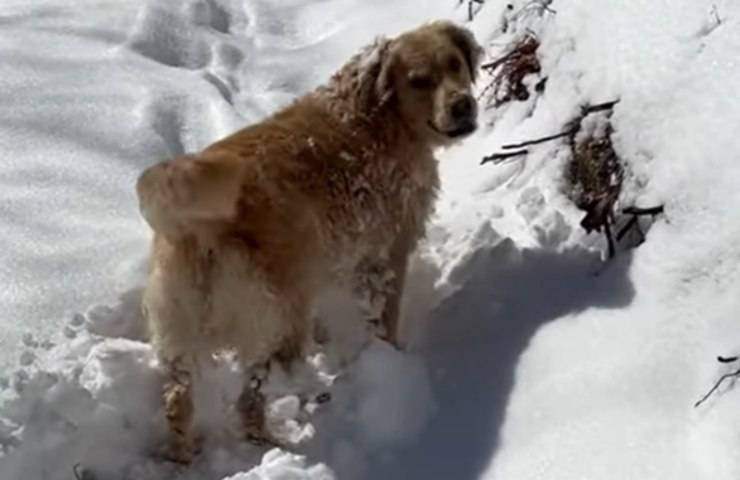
<point x="391" y="313"/>
<point x="379" y="284"/>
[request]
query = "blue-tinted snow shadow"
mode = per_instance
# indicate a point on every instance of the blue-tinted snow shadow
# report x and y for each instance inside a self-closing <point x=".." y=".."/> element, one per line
<point x="475" y="338"/>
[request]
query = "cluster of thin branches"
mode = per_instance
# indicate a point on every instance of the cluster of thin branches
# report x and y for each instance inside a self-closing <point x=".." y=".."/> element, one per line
<point x="472" y="11"/>
<point x="728" y="376"/>
<point x="595" y="174"/>
<point x="507" y="73"/>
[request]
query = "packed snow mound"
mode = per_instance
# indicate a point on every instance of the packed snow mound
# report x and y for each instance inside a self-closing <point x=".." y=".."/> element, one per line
<point x="280" y="465"/>
<point x="529" y="356"/>
<point x="93" y="404"/>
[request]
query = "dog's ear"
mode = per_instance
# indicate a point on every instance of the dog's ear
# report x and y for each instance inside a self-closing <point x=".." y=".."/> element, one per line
<point x="463" y="39"/>
<point x="375" y="83"/>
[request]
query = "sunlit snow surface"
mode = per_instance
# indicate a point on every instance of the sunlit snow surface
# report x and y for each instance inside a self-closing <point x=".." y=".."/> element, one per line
<point x="529" y="357"/>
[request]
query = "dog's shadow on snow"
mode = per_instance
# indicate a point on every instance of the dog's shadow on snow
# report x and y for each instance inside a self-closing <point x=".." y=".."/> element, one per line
<point x="474" y="338"/>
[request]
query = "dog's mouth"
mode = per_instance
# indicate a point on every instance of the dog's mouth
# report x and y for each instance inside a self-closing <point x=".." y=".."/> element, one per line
<point x="460" y="131"/>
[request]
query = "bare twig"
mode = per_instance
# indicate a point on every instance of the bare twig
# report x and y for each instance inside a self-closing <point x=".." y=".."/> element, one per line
<point x="612" y="251"/>
<point x="485" y="90"/>
<point x="527" y="46"/>
<point x="508" y="71"/>
<point x="587" y="110"/>
<point x="497" y="158"/>
<point x="637" y="212"/>
<point x="538" y="6"/>
<point x="599" y="107"/>
<point x="715" y="21"/>
<point x="495" y="63"/>
<point x="566" y="133"/>
<point x="540" y="86"/>
<point x="721" y="359"/>
<point x="715" y="12"/>
<point x="644" y="211"/>
<point x="632" y="222"/>
<point x="471" y="13"/>
<point x="719" y="383"/>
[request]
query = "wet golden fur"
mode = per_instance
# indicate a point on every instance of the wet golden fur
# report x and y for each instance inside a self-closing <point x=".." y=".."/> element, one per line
<point x="335" y="186"/>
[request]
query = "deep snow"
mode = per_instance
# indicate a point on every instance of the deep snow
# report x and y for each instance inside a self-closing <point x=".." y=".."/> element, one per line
<point x="529" y="356"/>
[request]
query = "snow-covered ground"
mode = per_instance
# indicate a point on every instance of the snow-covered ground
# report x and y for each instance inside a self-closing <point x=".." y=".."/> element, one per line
<point x="529" y="357"/>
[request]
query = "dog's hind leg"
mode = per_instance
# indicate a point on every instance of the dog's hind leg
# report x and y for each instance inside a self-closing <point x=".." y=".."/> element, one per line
<point x="294" y="347"/>
<point x="251" y="406"/>
<point x="177" y="396"/>
<point x="286" y="352"/>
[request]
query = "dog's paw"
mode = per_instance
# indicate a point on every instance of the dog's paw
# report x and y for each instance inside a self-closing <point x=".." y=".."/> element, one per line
<point x="393" y="342"/>
<point x="176" y="455"/>
<point x="378" y="330"/>
<point x="261" y="437"/>
<point x="182" y="451"/>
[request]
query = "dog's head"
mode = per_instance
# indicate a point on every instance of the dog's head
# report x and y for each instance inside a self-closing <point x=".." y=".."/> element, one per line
<point x="427" y="75"/>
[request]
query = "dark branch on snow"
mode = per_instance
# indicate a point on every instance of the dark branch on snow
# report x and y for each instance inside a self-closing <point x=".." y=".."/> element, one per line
<point x="471" y="3"/>
<point x="536" y="141"/>
<point x="497" y="158"/>
<point x="727" y="376"/>
<point x="715" y="12"/>
<point x="599" y="107"/>
<point x="633" y="222"/>
<point x="572" y="130"/>
<point x="644" y="211"/>
<point x="719" y="383"/>
<point x="721" y="359"/>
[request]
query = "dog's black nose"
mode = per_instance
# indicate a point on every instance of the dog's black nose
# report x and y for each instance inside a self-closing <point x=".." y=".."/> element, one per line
<point x="463" y="108"/>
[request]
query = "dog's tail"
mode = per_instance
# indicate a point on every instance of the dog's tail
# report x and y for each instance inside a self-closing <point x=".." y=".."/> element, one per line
<point x="176" y="195"/>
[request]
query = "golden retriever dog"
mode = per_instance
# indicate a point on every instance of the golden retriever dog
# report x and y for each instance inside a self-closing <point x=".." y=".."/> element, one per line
<point x="333" y="189"/>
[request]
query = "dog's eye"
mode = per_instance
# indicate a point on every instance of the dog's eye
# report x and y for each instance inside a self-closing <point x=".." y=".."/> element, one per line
<point x="454" y="64"/>
<point x="421" y="82"/>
